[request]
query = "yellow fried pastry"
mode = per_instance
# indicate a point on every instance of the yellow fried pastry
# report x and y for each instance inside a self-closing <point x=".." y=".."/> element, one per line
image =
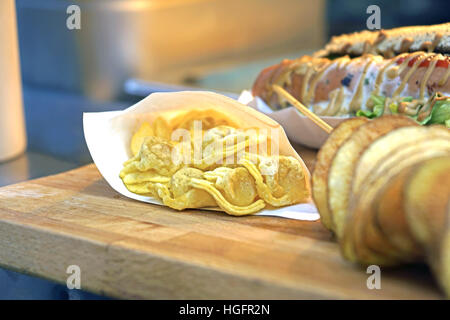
<point x="143" y="188"/>
<point x="153" y="164"/>
<point x="283" y="182"/>
<point x="156" y="155"/>
<point x="220" y="144"/>
<point x="138" y="138"/>
<point x="141" y="177"/>
<point x="223" y="203"/>
<point x="179" y="194"/>
<point x="226" y="169"/>
<point x="225" y="145"/>
<point x="188" y="189"/>
<point x="209" y="119"/>
<point x="161" y="128"/>
<point x="236" y="184"/>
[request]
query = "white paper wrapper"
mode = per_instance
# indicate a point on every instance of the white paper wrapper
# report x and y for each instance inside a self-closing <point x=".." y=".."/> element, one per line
<point x="108" y="135"/>
<point x="298" y="127"/>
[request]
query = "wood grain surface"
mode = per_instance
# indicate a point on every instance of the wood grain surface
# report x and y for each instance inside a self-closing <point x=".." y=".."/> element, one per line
<point x="129" y="249"/>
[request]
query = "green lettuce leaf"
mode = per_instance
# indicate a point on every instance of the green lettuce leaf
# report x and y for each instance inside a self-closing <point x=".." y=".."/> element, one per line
<point x="440" y="114"/>
<point x="378" y="108"/>
<point x="407" y="99"/>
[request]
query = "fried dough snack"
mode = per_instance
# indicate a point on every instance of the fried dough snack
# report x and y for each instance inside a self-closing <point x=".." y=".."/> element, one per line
<point x="283" y="185"/>
<point x="384" y="191"/>
<point x="231" y="174"/>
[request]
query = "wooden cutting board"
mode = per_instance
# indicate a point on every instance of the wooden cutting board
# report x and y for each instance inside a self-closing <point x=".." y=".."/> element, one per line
<point x="129" y="249"/>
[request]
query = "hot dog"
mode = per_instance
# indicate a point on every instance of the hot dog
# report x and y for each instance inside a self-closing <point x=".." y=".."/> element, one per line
<point x="407" y="83"/>
<point x="389" y="43"/>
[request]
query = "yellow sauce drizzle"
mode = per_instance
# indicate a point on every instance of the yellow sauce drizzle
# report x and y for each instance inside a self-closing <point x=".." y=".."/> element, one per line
<point x="312" y="87"/>
<point x="379" y="78"/>
<point x="305" y="82"/>
<point x="396" y="71"/>
<point x="427" y="75"/>
<point x="407" y="76"/>
<point x="356" y="101"/>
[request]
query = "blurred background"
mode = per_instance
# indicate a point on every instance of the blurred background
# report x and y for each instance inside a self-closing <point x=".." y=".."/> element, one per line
<point x="126" y="49"/>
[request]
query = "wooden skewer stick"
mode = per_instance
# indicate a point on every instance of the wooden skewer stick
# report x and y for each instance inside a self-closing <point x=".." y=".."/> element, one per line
<point x="304" y="110"/>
